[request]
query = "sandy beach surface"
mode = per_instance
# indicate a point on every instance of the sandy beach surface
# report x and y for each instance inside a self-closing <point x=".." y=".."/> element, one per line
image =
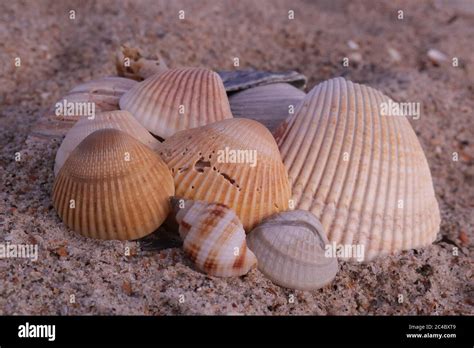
<point x="57" y="53"/>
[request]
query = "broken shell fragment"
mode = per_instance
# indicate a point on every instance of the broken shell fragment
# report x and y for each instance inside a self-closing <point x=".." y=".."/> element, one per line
<point x="269" y="104"/>
<point x="113" y="187"/>
<point x="121" y="120"/>
<point x="213" y="238"/>
<point x="234" y="162"/>
<point x="436" y="57"/>
<point x="290" y="248"/>
<point x="132" y="63"/>
<point x="359" y="169"/>
<point x="178" y="99"/>
<point x="90" y="98"/>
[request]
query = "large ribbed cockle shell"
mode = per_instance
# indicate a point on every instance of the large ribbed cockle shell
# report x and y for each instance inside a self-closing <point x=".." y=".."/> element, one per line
<point x="234" y="162"/>
<point x="113" y="187"/>
<point x="213" y="238"/>
<point x="361" y="172"/>
<point x="121" y="120"/>
<point x="90" y="98"/>
<point x="291" y="250"/>
<point x="268" y="104"/>
<point x="178" y="99"/>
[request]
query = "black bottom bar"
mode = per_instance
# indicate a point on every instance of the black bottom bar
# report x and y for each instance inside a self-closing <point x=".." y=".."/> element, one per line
<point x="226" y="330"/>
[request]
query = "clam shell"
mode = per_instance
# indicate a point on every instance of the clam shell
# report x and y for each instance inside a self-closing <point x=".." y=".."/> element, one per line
<point x="178" y="99"/>
<point x="121" y="120"/>
<point x="204" y="168"/>
<point x="113" y="187"/>
<point x="213" y="238"/>
<point x="363" y="175"/>
<point x="237" y="80"/>
<point x="104" y="93"/>
<point x="290" y="248"/>
<point x="268" y="104"/>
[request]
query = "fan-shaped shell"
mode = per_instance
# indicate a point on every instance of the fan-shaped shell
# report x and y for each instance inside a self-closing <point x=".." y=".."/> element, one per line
<point x="178" y="99"/>
<point x="235" y="162"/>
<point x="290" y="248"/>
<point x="113" y="187"/>
<point x="213" y="238"/>
<point x="93" y="96"/>
<point x="121" y="120"/>
<point x="363" y="174"/>
<point x="268" y="104"/>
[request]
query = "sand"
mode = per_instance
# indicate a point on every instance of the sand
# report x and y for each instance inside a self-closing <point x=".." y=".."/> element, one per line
<point x="75" y="275"/>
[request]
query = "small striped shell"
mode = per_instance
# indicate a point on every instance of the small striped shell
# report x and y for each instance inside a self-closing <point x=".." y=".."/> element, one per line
<point x="178" y="99"/>
<point x="103" y="93"/>
<point x="113" y="187"/>
<point x="121" y="120"/>
<point x="213" y="238"/>
<point x="363" y="174"/>
<point x="268" y="104"/>
<point x="234" y="162"/>
<point x="290" y="248"/>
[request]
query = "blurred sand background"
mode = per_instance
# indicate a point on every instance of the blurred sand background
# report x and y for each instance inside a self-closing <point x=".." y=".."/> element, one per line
<point x="58" y="53"/>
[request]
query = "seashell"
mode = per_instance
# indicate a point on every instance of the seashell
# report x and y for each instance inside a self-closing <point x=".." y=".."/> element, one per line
<point x="213" y="238"/>
<point x="132" y="63"/>
<point x="353" y="45"/>
<point x="364" y="175"/>
<point x="394" y="54"/>
<point x="113" y="187"/>
<point x="268" y="104"/>
<point x="111" y="85"/>
<point x="237" y="80"/>
<point x="176" y="100"/>
<point x="90" y="98"/>
<point x="121" y="120"/>
<point x="234" y="162"/>
<point x="290" y="248"/>
<point x="436" y="57"/>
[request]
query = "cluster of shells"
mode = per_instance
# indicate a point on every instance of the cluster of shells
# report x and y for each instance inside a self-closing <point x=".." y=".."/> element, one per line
<point x="334" y="170"/>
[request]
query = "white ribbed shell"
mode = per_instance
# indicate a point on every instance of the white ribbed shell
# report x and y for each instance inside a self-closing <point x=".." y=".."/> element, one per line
<point x="213" y="238"/>
<point x="178" y="99"/>
<point x="269" y="104"/>
<point x="364" y="175"/>
<point x="121" y="120"/>
<point x="105" y="93"/>
<point x="290" y="248"/>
